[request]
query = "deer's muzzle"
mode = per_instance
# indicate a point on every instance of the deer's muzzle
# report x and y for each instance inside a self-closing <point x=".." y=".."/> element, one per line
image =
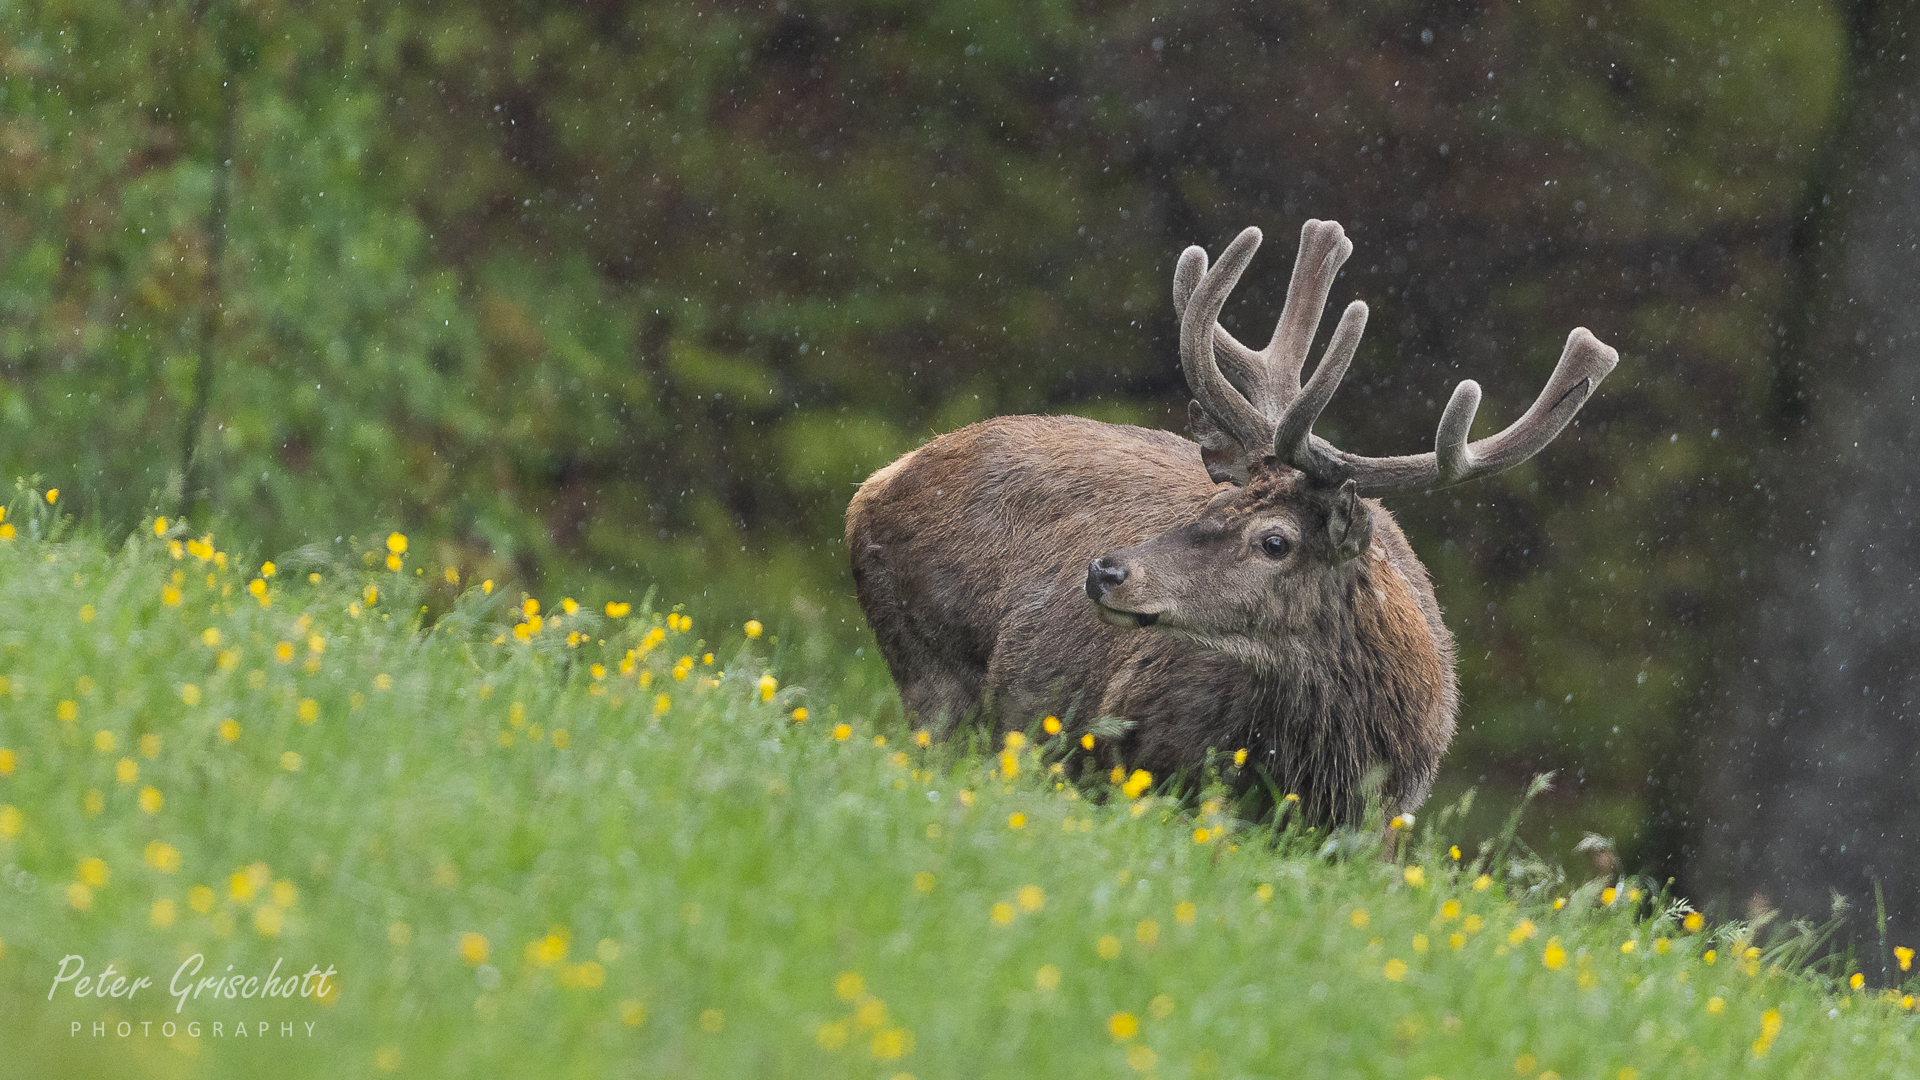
<point x="1104" y="575"/>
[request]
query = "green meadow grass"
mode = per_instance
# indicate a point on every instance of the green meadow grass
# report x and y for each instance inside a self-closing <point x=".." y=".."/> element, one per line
<point x="514" y="862"/>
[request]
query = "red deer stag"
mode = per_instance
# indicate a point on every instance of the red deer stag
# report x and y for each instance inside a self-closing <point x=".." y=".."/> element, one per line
<point x="1014" y="567"/>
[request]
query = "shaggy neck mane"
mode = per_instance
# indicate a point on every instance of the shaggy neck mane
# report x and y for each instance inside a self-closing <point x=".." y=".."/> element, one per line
<point x="1327" y="704"/>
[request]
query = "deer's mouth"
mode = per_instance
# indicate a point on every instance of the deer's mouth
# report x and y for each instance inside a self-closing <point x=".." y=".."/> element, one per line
<point x="1126" y="620"/>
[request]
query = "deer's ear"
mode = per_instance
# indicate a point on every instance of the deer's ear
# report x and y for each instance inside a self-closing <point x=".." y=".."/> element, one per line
<point x="1226" y="463"/>
<point x="1349" y="522"/>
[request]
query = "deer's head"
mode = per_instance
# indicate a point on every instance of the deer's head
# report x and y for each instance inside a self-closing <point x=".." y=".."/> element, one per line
<point x="1274" y="551"/>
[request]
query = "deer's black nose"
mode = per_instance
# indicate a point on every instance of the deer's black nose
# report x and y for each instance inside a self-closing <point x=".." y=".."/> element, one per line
<point x="1103" y="574"/>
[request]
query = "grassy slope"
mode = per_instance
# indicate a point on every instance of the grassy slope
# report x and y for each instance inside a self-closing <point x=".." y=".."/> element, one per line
<point x="721" y="891"/>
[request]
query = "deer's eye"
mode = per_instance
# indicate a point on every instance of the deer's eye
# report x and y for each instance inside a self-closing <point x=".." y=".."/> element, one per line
<point x="1275" y="546"/>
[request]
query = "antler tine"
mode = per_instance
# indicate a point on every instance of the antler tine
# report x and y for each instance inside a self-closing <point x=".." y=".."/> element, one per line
<point x="1324" y="248"/>
<point x="1290" y="438"/>
<point x="1242" y="363"/>
<point x="1198" y="326"/>
<point x="1583" y="363"/>
<point x="1452" y="459"/>
<point x="1186" y="277"/>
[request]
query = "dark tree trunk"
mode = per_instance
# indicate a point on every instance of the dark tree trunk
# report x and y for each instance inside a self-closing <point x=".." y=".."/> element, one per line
<point x="1808" y="780"/>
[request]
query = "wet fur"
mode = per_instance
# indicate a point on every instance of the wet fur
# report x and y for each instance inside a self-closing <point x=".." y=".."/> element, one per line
<point x="970" y="556"/>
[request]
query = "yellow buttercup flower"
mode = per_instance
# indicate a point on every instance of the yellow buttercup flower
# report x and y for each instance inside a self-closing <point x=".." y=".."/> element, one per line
<point x="162" y="856"/>
<point x="549" y="950"/>
<point x="1770" y="1024"/>
<point x="1555" y="956"/>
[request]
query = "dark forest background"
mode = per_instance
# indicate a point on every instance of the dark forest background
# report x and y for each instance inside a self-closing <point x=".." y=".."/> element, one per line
<point x="603" y="295"/>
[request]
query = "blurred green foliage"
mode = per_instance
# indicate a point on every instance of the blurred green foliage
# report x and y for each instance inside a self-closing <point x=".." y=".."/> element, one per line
<point x="642" y="291"/>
